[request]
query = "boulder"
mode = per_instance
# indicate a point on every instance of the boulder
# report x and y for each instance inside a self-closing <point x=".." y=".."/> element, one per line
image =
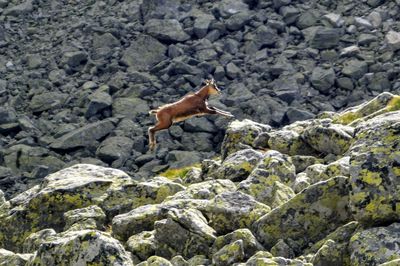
<point x="289" y="142"/>
<point x="355" y="69"/>
<point x="329" y="138"/>
<point x="392" y="39"/>
<point x="229" y="254"/>
<point x="374" y="170"/>
<point x="130" y="108"/>
<point x="81" y="248"/>
<point x="33" y="242"/>
<point x="167" y="30"/>
<point x="47" y="101"/>
<point x="144" y="53"/>
<point x="205" y="190"/>
<point x="237" y="166"/>
<point x="10" y="258"/>
<point x="375" y="245"/>
<point x="91" y="217"/>
<point x="241" y="133"/>
<point x="98" y="101"/>
<point x="323" y="79"/>
<point x="324" y="38"/>
<point x="143" y="245"/>
<point x="114" y="148"/>
<point x="298" y="224"/>
<point x="84" y="136"/>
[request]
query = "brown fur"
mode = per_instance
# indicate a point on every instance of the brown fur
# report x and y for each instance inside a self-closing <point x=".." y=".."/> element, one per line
<point x="189" y="106"/>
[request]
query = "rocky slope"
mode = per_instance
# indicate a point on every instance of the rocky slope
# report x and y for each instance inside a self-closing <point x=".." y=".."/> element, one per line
<point x="318" y="192"/>
<point x="78" y="77"/>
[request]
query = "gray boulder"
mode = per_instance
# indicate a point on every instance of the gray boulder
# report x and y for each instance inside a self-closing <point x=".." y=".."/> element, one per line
<point x="323" y="79"/>
<point x="46" y="101"/>
<point x="324" y="38"/>
<point x="355" y="69"/>
<point x="114" y="148"/>
<point x="169" y="30"/>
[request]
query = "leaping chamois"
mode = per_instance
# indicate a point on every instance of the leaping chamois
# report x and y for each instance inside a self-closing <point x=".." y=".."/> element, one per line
<point x="191" y="105"/>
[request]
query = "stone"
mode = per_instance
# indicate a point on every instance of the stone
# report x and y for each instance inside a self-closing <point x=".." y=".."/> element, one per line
<point x="44" y="206"/>
<point x="375" y="245"/>
<point x="231" y="7"/>
<point x="363" y="23"/>
<point x="34" y="240"/>
<point x="229" y="254"/>
<point x="281" y="249"/>
<point x="144" y="53"/>
<point x="237" y="21"/>
<point x="82" y="247"/>
<point x="130" y="107"/>
<point x="10" y="258"/>
<point x="323" y="79"/>
<point x="350" y="51"/>
<point x="375" y="18"/>
<point x="91" y="217"/>
<point x="98" y="101"/>
<point x="178" y="159"/>
<point x="365" y="39"/>
<point x="202" y="24"/>
<point x="355" y="69"/>
<point x="229" y="211"/>
<point x="289" y="14"/>
<point x="19" y="10"/>
<point x="335" y="20"/>
<point x="199" y="124"/>
<point x="105" y="40"/>
<point x="7" y="115"/>
<point x="232" y="71"/>
<point x="392" y="39"/>
<point x="294" y="114"/>
<point x="114" y="148"/>
<point x="325" y="38"/>
<point x="374" y="170"/>
<point x="329" y="138"/>
<point x="75" y="60"/>
<point x="237" y="166"/>
<point x="47" y="101"/>
<point x="143" y="245"/>
<point x="84" y="136"/>
<point x="297" y="222"/>
<point x="205" y="190"/>
<point x="331" y="253"/>
<point x="241" y="132"/>
<point x="289" y="142"/>
<point x="34" y="61"/>
<point x="287" y="89"/>
<point x="168" y="30"/>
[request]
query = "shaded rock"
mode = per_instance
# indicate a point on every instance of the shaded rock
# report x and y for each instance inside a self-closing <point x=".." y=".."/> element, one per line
<point x="355" y="69"/>
<point x="295" y="114"/>
<point x="374" y="170"/>
<point x="228" y="8"/>
<point x="265" y="258"/>
<point x="82" y="247"/>
<point x="142" y="245"/>
<point x="289" y="142"/>
<point x="375" y="245"/>
<point x="329" y="138"/>
<point x="194" y="175"/>
<point x="302" y="162"/>
<point x="114" y="148"/>
<point x="10" y="258"/>
<point x="237" y="166"/>
<point x="229" y="254"/>
<point x="105" y="40"/>
<point x="241" y="133"/>
<point x="199" y="124"/>
<point x="249" y="242"/>
<point x="144" y="53"/>
<point x="97" y="102"/>
<point x="331" y="253"/>
<point x="91" y="217"/>
<point x="323" y="79"/>
<point x="33" y="242"/>
<point x="169" y="30"/>
<point x="205" y="190"/>
<point x="319" y="172"/>
<point x="202" y="24"/>
<point x="7" y="115"/>
<point x="156" y="261"/>
<point x="297" y="222"/>
<point x="84" y="136"/>
<point x="129" y="107"/>
<point x="43" y="207"/>
<point x="324" y="38"/>
<point x="237" y="21"/>
<point x="233" y="210"/>
<point x="20" y="10"/>
<point x="178" y="159"/>
<point x="281" y="249"/>
<point x="184" y="232"/>
<point x="47" y="101"/>
<point x="74" y="60"/>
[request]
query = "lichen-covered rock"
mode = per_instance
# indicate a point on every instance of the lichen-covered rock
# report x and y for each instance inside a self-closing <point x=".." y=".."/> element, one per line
<point x="205" y="190"/>
<point x="308" y="217"/>
<point x="289" y="142"/>
<point x="233" y="210"/>
<point x="194" y="175"/>
<point x="10" y="258"/>
<point x="395" y="262"/>
<point x="75" y="187"/>
<point x="375" y="170"/>
<point x="142" y="245"/>
<point x="184" y="232"/>
<point x="229" y="254"/>
<point x="319" y="172"/>
<point x="32" y="242"/>
<point x="267" y="182"/>
<point x="239" y="134"/>
<point x="91" y="217"/>
<point x="331" y="254"/>
<point x="375" y="245"/>
<point x="281" y="249"/>
<point x="2" y="198"/>
<point x="143" y="218"/>
<point x="156" y="261"/>
<point x="250" y="243"/>
<point x="199" y="260"/>
<point x="179" y="261"/>
<point x="266" y="258"/>
<point x="383" y="103"/>
<point x="301" y="182"/>
<point x="81" y="248"/>
<point x="329" y="138"/>
<point x="135" y="194"/>
<point x="301" y="162"/>
<point x="237" y="166"/>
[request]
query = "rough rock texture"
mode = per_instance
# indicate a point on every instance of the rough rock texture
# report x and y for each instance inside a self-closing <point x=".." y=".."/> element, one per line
<point x="326" y="203"/>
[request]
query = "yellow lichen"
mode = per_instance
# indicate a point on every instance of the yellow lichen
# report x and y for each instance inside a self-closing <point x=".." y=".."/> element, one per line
<point x="371" y="178"/>
<point x="178" y="172"/>
<point x="393" y="104"/>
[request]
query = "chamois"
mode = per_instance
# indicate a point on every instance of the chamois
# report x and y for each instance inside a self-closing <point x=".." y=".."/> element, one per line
<point x="194" y="104"/>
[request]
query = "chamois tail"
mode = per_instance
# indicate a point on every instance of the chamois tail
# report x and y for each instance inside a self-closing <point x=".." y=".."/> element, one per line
<point x="153" y="112"/>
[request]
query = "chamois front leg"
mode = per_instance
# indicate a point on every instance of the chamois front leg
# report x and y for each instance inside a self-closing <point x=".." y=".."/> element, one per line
<point x="213" y="110"/>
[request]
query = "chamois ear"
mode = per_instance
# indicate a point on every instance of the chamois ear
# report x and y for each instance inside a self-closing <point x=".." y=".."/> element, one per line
<point x="207" y="81"/>
<point x="212" y="81"/>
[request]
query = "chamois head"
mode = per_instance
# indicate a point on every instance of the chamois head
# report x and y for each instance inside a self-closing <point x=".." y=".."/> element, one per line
<point x="211" y="85"/>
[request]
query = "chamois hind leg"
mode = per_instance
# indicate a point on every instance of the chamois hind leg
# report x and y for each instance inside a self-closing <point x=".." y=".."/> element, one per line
<point x="160" y="125"/>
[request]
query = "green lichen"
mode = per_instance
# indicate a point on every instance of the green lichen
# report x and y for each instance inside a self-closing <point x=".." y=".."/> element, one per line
<point x="393" y="104"/>
<point x="175" y="173"/>
<point x="347" y="118"/>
